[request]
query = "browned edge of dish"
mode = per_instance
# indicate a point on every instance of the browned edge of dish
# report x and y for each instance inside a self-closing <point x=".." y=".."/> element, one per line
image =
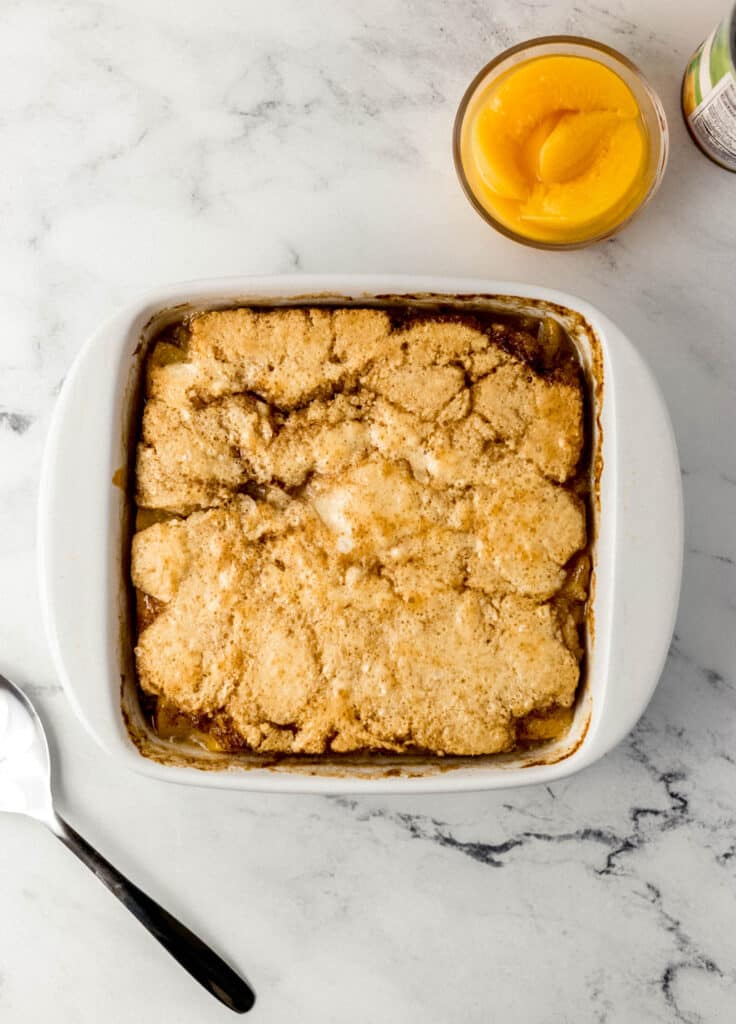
<point x="365" y="765"/>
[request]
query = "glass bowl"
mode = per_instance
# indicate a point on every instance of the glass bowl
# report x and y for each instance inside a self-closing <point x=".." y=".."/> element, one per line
<point x="650" y="106"/>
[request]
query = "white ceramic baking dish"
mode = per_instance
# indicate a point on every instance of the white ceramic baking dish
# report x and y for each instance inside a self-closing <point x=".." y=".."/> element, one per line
<point x="83" y="535"/>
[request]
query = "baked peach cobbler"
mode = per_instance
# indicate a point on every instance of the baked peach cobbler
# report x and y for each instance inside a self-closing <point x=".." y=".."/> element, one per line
<point x="361" y="530"/>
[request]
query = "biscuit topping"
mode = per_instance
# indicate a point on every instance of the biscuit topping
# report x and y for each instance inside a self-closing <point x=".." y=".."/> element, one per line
<point x="369" y="531"/>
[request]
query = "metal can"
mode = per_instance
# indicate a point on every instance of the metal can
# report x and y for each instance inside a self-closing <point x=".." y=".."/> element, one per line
<point x="709" y="94"/>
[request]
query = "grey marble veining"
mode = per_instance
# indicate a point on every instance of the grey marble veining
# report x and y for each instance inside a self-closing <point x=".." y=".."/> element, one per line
<point x="149" y="141"/>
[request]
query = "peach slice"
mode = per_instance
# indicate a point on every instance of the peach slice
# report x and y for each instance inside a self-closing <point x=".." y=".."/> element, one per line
<point x="596" y="191"/>
<point x="534" y="143"/>
<point x="497" y="157"/>
<point x="532" y="91"/>
<point x="571" y="147"/>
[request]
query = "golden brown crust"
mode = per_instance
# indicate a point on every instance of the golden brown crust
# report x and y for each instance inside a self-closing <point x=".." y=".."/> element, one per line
<point x="379" y="531"/>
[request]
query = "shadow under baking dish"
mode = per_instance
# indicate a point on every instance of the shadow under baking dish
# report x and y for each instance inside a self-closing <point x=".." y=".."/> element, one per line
<point x="85" y="526"/>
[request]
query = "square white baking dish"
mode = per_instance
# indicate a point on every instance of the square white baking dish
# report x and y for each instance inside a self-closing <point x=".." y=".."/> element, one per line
<point x="83" y="536"/>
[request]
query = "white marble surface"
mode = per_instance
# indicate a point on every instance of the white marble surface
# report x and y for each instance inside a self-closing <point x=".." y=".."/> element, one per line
<point x="154" y="141"/>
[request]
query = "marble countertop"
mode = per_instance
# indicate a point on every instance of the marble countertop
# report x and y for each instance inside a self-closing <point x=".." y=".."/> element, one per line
<point x="146" y="141"/>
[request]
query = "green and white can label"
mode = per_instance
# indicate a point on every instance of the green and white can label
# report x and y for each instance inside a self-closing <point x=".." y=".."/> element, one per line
<point x="709" y="94"/>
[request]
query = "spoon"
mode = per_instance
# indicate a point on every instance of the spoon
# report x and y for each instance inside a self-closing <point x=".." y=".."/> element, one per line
<point x="25" y="788"/>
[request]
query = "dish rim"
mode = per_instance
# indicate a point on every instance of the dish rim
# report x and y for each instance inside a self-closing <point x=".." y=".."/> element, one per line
<point x="60" y="474"/>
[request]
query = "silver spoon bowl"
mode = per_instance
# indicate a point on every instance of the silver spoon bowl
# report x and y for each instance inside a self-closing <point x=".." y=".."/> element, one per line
<point x="25" y="788"/>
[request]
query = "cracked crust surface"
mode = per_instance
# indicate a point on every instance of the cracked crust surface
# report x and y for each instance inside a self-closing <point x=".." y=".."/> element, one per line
<point x="374" y="531"/>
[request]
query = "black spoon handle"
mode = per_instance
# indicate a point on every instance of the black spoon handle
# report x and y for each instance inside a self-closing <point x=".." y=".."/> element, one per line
<point x="204" y="965"/>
